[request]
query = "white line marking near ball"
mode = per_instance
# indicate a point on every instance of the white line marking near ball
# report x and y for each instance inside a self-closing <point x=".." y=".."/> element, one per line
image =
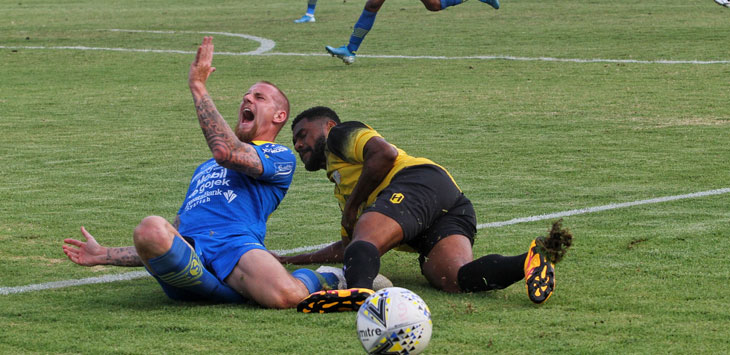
<point x="140" y="274"/>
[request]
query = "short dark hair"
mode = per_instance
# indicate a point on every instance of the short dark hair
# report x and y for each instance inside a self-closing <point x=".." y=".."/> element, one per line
<point x="314" y="113"/>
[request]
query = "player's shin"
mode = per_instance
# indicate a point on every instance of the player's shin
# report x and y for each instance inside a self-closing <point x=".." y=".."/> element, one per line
<point x="491" y="272"/>
<point x="311" y="5"/>
<point x="180" y="269"/>
<point x="362" y="264"/>
<point x="363" y="25"/>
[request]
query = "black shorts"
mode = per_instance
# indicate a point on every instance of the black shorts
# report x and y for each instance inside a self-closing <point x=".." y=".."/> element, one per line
<point x="428" y="205"/>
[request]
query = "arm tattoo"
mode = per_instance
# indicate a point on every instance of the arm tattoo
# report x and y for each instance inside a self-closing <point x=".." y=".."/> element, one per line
<point x="125" y="256"/>
<point x="226" y="148"/>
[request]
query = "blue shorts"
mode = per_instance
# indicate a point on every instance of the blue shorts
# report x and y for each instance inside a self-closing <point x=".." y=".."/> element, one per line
<point x="220" y="255"/>
<point x="185" y="277"/>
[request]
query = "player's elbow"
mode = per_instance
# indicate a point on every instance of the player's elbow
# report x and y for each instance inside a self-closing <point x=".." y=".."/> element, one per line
<point x="221" y="154"/>
<point x="380" y="153"/>
<point x="387" y="157"/>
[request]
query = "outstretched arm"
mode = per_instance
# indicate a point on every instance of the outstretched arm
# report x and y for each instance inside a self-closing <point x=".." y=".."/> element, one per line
<point x="333" y="253"/>
<point x="90" y="253"/>
<point x="227" y="149"/>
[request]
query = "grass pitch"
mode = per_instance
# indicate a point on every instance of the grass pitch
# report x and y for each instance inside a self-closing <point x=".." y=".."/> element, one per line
<point x="103" y="138"/>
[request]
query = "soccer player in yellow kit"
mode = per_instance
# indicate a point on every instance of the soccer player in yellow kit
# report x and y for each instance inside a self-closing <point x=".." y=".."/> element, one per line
<point x="391" y="200"/>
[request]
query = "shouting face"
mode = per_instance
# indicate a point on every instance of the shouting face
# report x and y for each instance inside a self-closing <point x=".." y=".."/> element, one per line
<point x="261" y="106"/>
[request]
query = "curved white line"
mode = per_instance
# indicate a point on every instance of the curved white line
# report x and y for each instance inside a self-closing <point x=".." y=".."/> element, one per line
<point x="265" y="44"/>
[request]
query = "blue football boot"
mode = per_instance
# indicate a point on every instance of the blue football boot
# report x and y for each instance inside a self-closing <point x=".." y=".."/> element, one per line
<point x="342" y="53"/>
<point x="305" y="19"/>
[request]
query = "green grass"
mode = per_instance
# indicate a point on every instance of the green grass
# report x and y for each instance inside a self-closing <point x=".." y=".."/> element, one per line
<point x="103" y="139"/>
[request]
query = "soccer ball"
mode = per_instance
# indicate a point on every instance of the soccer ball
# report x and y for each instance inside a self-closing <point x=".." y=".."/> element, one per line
<point x="394" y="320"/>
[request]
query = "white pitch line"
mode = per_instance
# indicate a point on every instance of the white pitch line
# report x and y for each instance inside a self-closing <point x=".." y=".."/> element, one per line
<point x="78" y="282"/>
<point x="140" y="274"/>
<point x="266" y="45"/>
<point x="260" y="51"/>
<point x="611" y="206"/>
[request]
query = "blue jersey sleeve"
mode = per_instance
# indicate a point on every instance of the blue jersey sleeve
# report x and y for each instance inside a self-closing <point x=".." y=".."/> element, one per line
<point x="278" y="163"/>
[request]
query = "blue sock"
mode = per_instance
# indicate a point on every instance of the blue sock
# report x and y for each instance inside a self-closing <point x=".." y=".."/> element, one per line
<point x="447" y="3"/>
<point x="315" y="281"/>
<point x="310" y="7"/>
<point x="362" y="27"/>
<point x="183" y="277"/>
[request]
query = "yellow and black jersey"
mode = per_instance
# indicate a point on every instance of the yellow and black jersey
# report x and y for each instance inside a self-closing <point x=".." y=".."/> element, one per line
<point x="345" y="147"/>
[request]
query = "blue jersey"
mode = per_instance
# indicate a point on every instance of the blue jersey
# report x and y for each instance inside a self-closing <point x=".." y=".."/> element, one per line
<point x="222" y="204"/>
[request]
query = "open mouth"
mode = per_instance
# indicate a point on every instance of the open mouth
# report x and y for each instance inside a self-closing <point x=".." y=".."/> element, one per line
<point x="247" y="115"/>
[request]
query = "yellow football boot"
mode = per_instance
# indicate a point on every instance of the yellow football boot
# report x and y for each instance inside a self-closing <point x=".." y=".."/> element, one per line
<point x="544" y="253"/>
<point x="539" y="275"/>
<point x="334" y="301"/>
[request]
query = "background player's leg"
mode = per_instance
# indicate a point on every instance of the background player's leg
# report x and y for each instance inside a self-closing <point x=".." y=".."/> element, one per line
<point x="309" y="15"/>
<point x="437" y="5"/>
<point x="363" y="25"/>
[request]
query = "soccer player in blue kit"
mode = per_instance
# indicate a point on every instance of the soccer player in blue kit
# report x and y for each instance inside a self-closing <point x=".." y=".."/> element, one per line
<point x="309" y="15"/>
<point x="215" y="249"/>
<point x="367" y="18"/>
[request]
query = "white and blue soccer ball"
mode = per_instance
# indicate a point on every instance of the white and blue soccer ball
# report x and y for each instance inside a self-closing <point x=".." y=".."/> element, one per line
<point x="394" y="320"/>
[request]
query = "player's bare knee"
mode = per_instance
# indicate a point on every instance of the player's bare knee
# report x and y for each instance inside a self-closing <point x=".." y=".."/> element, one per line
<point x="373" y="5"/>
<point x="443" y="276"/>
<point x="151" y="233"/>
<point x="432" y="5"/>
<point x="450" y="286"/>
<point x="443" y="283"/>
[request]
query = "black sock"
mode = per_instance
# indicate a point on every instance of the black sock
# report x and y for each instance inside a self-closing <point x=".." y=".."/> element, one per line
<point x="491" y="272"/>
<point x="362" y="264"/>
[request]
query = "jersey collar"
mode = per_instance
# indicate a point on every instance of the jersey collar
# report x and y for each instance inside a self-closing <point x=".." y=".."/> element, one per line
<point x="261" y="142"/>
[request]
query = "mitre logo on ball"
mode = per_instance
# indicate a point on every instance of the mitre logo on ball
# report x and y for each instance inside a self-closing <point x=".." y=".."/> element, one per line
<point x="394" y="320"/>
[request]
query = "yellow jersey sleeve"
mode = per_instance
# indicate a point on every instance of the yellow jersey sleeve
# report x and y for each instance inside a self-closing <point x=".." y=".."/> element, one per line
<point x="347" y="141"/>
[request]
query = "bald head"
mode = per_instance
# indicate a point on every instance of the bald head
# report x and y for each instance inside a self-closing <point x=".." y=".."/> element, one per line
<point x="282" y="102"/>
<point x="264" y="111"/>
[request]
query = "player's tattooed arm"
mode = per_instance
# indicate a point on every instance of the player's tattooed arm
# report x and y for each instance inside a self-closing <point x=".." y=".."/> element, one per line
<point x="123" y="256"/>
<point x="227" y="150"/>
<point x="90" y="252"/>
